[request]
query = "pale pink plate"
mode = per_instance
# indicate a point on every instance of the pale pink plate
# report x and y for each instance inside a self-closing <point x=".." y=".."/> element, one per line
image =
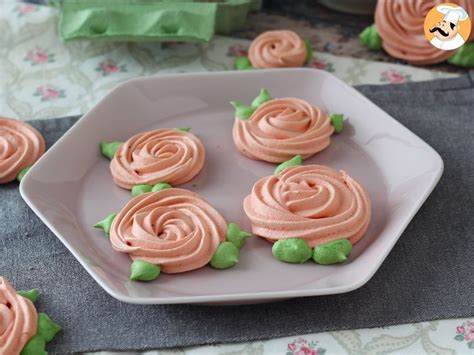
<point x="70" y="188"/>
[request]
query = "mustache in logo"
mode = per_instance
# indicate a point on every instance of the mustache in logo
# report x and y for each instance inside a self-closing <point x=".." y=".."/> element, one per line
<point x="443" y="33"/>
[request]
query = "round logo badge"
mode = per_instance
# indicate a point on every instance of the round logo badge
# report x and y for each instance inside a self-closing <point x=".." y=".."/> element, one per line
<point x="447" y="26"/>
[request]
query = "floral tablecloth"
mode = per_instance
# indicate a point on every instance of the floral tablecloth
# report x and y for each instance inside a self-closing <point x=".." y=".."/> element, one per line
<point x="40" y="77"/>
<point x="439" y="337"/>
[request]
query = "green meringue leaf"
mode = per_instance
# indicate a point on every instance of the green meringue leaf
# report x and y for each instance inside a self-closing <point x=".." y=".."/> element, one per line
<point x="370" y="37"/>
<point x="23" y="172"/>
<point x="337" y="121"/>
<point x="292" y="250"/>
<point x="236" y="235"/>
<point x="183" y="129"/>
<point x="333" y="252"/>
<point x="226" y="256"/>
<point x="464" y="56"/>
<point x="161" y="186"/>
<point x="243" y="63"/>
<point x="108" y="149"/>
<point x="32" y="294"/>
<point x="262" y="97"/>
<point x="297" y="160"/>
<point x="138" y="190"/>
<point x="242" y="111"/>
<point x="144" y="271"/>
<point x="47" y="328"/>
<point x="106" y="223"/>
<point x="35" y="346"/>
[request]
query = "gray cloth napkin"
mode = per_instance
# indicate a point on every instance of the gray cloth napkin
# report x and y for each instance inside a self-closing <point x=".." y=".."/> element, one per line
<point x="427" y="276"/>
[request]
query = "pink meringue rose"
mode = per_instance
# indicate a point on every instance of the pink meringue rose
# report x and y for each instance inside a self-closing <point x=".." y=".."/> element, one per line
<point x="277" y="49"/>
<point x="161" y="155"/>
<point x="400" y="23"/>
<point x="282" y="128"/>
<point x="20" y="146"/>
<point x="18" y="319"/>
<point x="173" y="228"/>
<point x="313" y="202"/>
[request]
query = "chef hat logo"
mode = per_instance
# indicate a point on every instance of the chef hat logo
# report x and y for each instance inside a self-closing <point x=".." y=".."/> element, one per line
<point x="447" y="26"/>
<point x="452" y="14"/>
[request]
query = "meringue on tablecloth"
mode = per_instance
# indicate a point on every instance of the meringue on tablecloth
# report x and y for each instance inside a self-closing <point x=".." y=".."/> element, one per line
<point x="21" y="145"/>
<point x="277" y="49"/>
<point x="400" y="25"/>
<point x="22" y="329"/>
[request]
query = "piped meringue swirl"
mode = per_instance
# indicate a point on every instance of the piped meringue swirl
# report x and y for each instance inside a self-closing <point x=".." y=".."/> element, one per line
<point x="313" y="202"/>
<point x="161" y="155"/>
<point x="20" y="146"/>
<point x="282" y="128"/>
<point x="277" y="49"/>
<point x="18" y="319"/>
<point x="173" y="228"/>
<point x="400" y="24"/>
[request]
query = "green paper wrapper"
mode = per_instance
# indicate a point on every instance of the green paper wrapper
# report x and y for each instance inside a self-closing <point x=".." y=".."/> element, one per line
<point x="137" y="20"/>
<point x="152" y="20"/>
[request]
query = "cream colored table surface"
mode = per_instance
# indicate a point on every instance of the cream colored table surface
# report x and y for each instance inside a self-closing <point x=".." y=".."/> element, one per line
<point x="41" y="78"/>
